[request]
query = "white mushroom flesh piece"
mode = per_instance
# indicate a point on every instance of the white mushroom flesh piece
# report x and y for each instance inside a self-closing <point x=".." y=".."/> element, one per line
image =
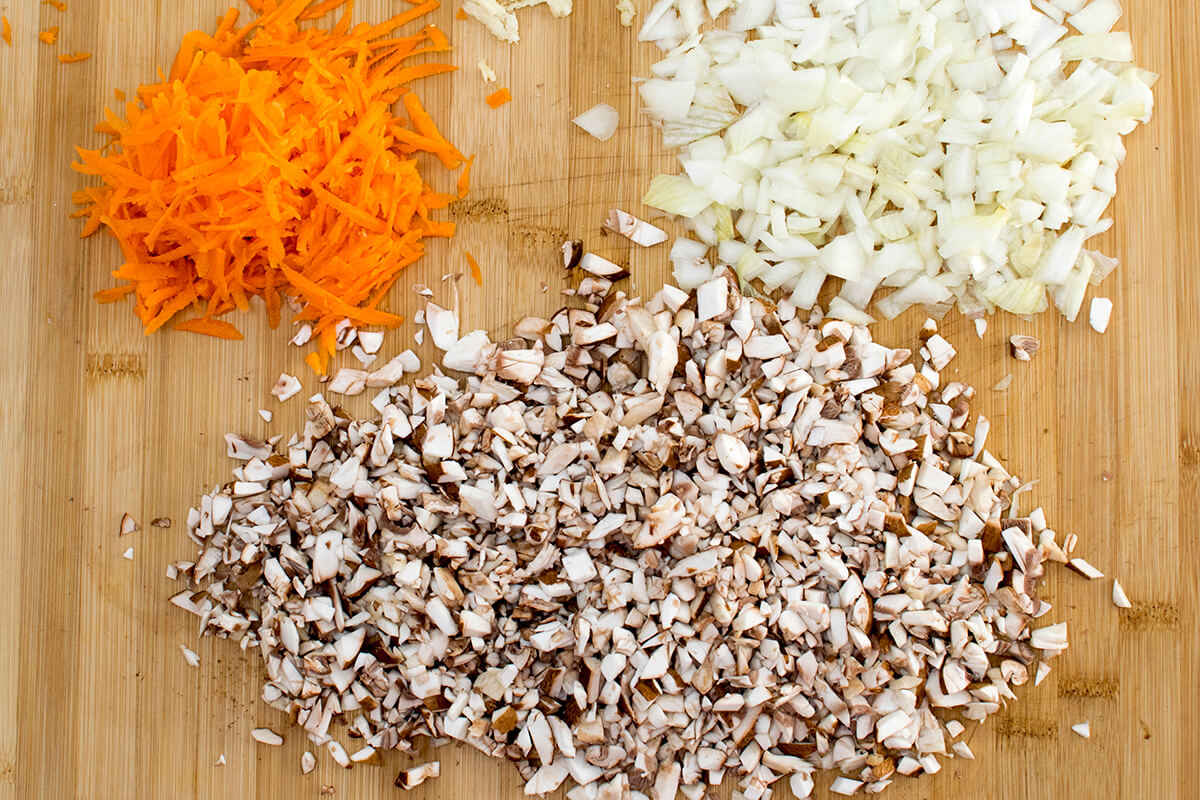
<point x="756" y="535"/>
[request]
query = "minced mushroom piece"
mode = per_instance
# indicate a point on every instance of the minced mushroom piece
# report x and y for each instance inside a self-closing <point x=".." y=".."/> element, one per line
<point x="707" y="521"/>
<point x="266" y="736"/>
<point x="189" y="655"/>
<point x="1023" y="348"/>
<point x="635" y="230"/>
<point x="1084" y="568"/>
<point x="414" y="776"/>
<point x="287" y="387"/>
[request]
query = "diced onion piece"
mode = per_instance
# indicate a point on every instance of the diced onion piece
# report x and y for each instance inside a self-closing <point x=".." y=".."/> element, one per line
<point x="1021" y="296"/>
<point x="601" y="121"/>
<point x="1100" y="314"/>
<point x="676" y="195"/>
<point x="938" y="148"/>
<point x="840" y="309"/>
<point x="690" y="260"/>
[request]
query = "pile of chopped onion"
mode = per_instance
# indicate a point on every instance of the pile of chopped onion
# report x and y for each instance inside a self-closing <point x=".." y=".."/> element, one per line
<point x="961" y="151"/>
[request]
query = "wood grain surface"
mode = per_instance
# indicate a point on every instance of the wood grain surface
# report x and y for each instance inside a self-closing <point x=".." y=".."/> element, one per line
<point x="97" y="419"/>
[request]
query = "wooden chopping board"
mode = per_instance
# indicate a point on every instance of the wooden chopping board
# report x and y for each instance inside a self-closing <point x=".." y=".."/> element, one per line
<point x="96" y="700"/>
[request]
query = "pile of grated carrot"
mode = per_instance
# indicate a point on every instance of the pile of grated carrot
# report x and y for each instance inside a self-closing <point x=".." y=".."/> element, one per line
<point x="268" y="164"/>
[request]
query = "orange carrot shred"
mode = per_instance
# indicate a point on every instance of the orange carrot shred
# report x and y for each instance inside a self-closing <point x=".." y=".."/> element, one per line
<point x="464" y="178"/>
<point x="217" y="328"/>
<point x="268" y="163"/>
<point x="71" y="58"/>
<point x="461" y="15"/>
<point x="50" y="35"/>
<point x="61" y="6"/>
<point x="113" y="294"/>
<point x="6" y="31"/>
<point x="317" y="362"/>
<point x="475" y="272"/>
<point x="119" y="95"/>
<point x="499" y="97"/>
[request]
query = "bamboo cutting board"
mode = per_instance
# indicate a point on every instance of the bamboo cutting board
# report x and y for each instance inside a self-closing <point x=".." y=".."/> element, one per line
<point x="95" y="698"/>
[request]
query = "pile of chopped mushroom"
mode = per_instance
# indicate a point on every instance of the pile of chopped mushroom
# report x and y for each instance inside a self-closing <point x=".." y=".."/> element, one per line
<point x="641" y="546"/>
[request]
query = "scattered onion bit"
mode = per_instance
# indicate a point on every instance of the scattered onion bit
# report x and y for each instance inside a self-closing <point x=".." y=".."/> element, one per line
<point x="71" y="58"/>
<point x="50" y="35"/>
<point x="268" y="164"/>
<point x="499" y="97"/>
<point x="475" y="271"/>
<point x="55" y="4"/>
<point x="5" y="31"/>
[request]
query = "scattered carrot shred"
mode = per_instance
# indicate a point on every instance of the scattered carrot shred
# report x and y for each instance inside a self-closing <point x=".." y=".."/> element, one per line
<point x="475" y="272"/>
<point x="113" y="294"/>
<point x="318" y="362"/>
<point x="119" y="95"/>
<point x="268" y="164"/>
<point x="218" y="328"/>
<point x="499" y="97"/>
<point x="464" y="178"/>
<point x="6" y="31"/>
<point x="71" y="58"/>
<point x="461" y="15"/>
<point x="58" y="4"/>
<point x="50" y="35"/>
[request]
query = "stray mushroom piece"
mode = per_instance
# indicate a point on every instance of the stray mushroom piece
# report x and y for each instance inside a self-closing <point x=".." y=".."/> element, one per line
<point x="1023" y="348"/>
<point x="414" y="776"/>
<point x="266" y="736"/>
<point x="189" y="656"/>
<point x="287" y="387"/>
<point x="635" y="230"/>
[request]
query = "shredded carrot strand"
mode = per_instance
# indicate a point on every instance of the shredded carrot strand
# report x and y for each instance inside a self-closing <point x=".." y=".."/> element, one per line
<point x="6" y="31"/>
<point x="50" y="35"/>
<point x="318" y="362"/>
<point x="499" y="97"/>
<point x="71" y="58"/>
<point x="112" y="294"/>
<point x="464" y="178"/>
<point x="462" y="15"/>
<point x="55" y="4"/>
<point x="475" y="271"/>
<point x="268" y="164"/>
<point x="217" y="328"/>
